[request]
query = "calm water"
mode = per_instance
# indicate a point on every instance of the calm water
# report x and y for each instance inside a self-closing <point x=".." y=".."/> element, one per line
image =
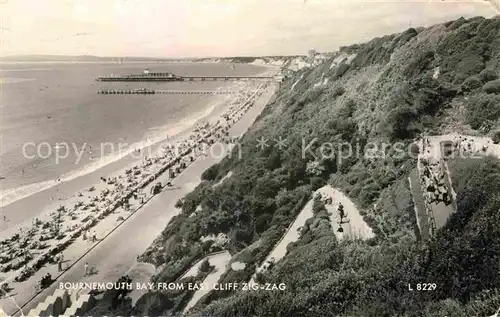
<point x="46" y="104"/>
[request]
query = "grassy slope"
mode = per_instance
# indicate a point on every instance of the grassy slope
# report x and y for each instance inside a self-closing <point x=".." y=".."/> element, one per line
<point x="386" y="94"/>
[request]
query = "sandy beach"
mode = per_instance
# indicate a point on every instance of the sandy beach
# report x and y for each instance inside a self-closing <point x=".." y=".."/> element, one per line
<point x="64" y="192"/>
<point x="95" y="204"/>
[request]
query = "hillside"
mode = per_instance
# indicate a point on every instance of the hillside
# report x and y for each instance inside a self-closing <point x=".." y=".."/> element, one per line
<point x="364" y="107"/>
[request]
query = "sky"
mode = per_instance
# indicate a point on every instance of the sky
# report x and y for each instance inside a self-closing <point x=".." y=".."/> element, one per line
<point x="195" y="28"/>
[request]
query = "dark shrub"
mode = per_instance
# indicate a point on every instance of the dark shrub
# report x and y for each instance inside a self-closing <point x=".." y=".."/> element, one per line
<point x="492" y="87"/>
<point x="211" y="173"/>
<point x="153" y="303"/>
<point x="459" y="78"/>
<point x="400" y="119"/>
<point x="496" y="137"/>
<point x="338" y="91"/>
<point x="487" y="75"/>
<point x="178" y="204"/>
<point x="317" y="182"/>
<point x="205" y="266"/>
<point x="318" y="205"/>
<point x="427" y="101"/>
<point x="368" y="193"/>
<point x="341" y="69"/>
<point x="260" y="278"/>
<point x="456" y="24"/>
<point x="471" y="83"/>
<point x="263" y="223"/>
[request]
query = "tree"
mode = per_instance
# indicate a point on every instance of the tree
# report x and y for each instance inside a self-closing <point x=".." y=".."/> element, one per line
<point x="205" y="266"/>
<point x="400" y="120"/>
<point x="315" y="168"/>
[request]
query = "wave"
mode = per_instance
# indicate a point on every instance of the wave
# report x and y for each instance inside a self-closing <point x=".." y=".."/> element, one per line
<point x="159" y="135"/>
<point x="13" y="80"/>
<point x="22" y="69"/>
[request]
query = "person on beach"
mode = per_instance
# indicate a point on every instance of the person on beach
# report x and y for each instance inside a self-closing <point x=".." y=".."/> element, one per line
<point x="86" y="269"/>
<point x="60" y="262"/>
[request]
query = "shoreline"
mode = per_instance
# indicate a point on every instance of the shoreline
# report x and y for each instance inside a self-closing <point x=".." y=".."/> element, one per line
<point x="11" y="198"/>
<point x="123" y="178"/>
<point x="41" y="201"/>
<point x="174" y="131"/>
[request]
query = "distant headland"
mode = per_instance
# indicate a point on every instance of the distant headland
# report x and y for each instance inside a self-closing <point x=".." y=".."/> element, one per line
<point x="118" y="59"/>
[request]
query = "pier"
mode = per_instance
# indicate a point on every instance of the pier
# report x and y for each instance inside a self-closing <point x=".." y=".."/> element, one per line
<point x="146" y="78"/>
<point x="164" y="92"/>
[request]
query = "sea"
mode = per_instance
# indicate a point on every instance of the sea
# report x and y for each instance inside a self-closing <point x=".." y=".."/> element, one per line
<point x="53" y="124"/>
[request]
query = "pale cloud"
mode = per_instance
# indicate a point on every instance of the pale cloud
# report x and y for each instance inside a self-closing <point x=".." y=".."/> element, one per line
<point x="175" y="28"/>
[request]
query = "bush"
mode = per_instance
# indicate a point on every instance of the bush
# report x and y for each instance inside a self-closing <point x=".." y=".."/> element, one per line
<point x="317" y="183"/>
<point x="318" y="205"/>
<point x="492" y="87"/>
<point x="400" y="120"/>
<point x="179" y="204"/>
<point x="263" y="222"/>
<point x="313" y="95"/>
<point x="211" y="173"/>
<point x="315" y="168"/>
<point x="340" y="70"/>
<point x="487" y="75"/>
<point x="427" y="101"/>
<point x="260" y="278"/>
<point x="471" y="83"/>
<point x="457" y="23"/>
<point x="205" y="266"/>
<point x="496" y="137"/>
<point x="338" y="91"/>
<point x="482" y="108"/>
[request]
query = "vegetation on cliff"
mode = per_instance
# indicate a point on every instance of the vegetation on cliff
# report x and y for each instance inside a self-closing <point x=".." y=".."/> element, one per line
<point x="386" y="91"/>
